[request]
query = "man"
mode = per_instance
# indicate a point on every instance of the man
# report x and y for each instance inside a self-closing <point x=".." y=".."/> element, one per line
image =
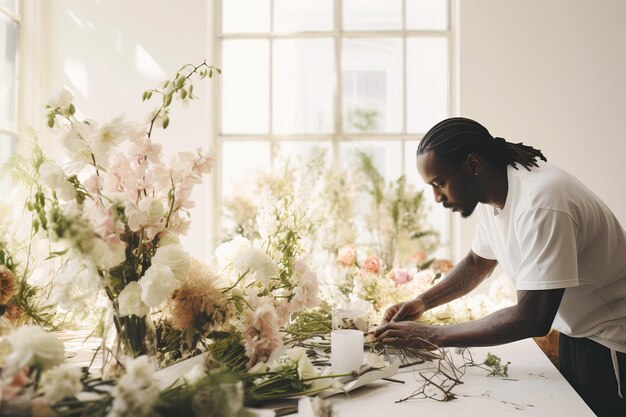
<point x="561" y="245"/>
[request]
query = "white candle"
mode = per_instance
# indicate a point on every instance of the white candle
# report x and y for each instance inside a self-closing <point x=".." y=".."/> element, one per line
<point x="346" y="350"/>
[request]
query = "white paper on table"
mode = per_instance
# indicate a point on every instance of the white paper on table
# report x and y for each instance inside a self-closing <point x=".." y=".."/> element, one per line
<point x="366" y="378"/>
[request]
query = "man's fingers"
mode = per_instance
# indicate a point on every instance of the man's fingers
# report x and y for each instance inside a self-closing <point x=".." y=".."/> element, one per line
<point x="400" y="314"/>
<point x="391" y="333"/>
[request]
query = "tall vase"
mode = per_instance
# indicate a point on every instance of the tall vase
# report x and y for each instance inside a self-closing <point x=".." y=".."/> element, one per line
<point x="128" y="336"/>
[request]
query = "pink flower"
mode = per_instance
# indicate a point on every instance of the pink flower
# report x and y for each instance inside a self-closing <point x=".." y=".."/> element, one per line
<point x="419" y="258"/>
<point x="346" y="255"/>
<point x="372" y="264"/>
<point x="400" y="276"/>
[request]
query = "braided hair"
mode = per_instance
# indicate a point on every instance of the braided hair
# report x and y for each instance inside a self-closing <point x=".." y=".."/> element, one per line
<point x="455" y="138"/>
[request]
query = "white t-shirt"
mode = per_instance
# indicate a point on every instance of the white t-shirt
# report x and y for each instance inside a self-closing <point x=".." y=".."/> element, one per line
<point x="553" y="232"/>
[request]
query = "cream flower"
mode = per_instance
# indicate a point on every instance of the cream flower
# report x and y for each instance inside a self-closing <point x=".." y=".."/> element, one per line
<point x="346" y="255"/>
<point x="130" y="301"/>
<point x="136" y="391"/>
<point x="260" y="266"/>
<point x="157" y="284"/>
<point x="52" y="176"/>
<point x="174" y="257"/>
<point x="61" y="382"/>
<point x="32" y="346"/>
<point x="152" y="208"/>
<point x="61" y="100"/>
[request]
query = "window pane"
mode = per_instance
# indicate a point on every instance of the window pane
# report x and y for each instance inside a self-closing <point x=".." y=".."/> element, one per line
<point x="372" y="85"/>
<point x="245" y="86"/>
<point x="239" y="160"/>
<point x="427" y="79"/>
<point x="386" y="156"/>
<point x="303" y="15"/>
<point x="427" y="14"/>
<point x="372" y="14"/>
<point x="303" y="85"/>
<point x="8" y="68"/>
<point x="10" y="5"/>
<point x="303" y="152"/>
<point x="245" y="16"/>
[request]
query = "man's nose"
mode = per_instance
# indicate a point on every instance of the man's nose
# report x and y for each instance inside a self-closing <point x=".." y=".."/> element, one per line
<point x="439" y="197"/>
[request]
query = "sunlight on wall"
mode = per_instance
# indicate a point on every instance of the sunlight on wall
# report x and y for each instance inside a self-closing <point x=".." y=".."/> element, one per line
<point x="76" y="73"/>
<point x="146" y="65"/>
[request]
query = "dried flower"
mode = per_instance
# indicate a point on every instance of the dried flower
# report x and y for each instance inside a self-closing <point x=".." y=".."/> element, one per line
<point x="8" y="284"/>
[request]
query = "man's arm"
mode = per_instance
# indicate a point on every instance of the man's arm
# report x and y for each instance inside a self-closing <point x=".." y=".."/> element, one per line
<point x="531" y="316"/>
<point x="463" y="278"/>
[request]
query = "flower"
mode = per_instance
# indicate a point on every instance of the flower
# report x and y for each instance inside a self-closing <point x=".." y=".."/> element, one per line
<point x="375" y="361"/>
<point x="157" y="284"/>
<point x="130" y="301"/>
<point x="52" y="176"/>
<point x="198" y="301"/>
<point x="33" y="346"/>
<point x="259" y="265"/>
<point x="372" y="264"/>
<point x="346" y="255"/>
<point x="61" y="100"/>
<point x="61" y="382"/>
<point x="76" y="286"/>
<point x="400" y="276"/>
<point x="174" y="257"/>
<point x="8" y="285"/>
<point x="136" y="391"/>
<point x="195" y="374"/>
<point x="260" y="333"/>
<point x="442" y="266"/>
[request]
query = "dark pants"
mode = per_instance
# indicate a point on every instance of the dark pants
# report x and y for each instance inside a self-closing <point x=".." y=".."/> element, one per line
<point x="588" y="368"/>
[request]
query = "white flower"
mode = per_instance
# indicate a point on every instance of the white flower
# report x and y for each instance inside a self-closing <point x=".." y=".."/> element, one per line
<point x="260" y="266"/>
<point x="130" y="301"/>
<point x="152" y="208"/>
<point x="108" y="136"/>
<point x="157" y="284"/>
<point x="52" y="176"/>
<point x="76" y="286"/>
<point x="76" y="143"/>
<point x="195" y="374"/>
<point x="168" y="238"/>
<point x="228" y="251"/>
<point x="375" y="361"/>
<point x="61" y="99"/>
<point x="32" y="346"/>
<point x="174" y="257"/>
<point x="61" y="382"/>
<point x="136" y="391"/>
<point x="107" y="255"/>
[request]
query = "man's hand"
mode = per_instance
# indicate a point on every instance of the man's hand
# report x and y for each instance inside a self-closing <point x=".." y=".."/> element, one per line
<point x="408" y="310"/>
<point x="407" y="334"/>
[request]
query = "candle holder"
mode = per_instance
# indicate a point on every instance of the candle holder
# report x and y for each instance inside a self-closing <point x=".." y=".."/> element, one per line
<point x="346" y="350"/>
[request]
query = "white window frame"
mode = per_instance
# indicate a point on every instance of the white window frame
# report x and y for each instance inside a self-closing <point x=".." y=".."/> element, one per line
<point x="14" y="130"/>
<point x="449" y="241"/>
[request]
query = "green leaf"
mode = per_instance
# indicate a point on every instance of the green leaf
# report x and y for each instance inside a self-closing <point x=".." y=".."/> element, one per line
<point x="211" y="73"/>
<point x="72" y="109"/>
<point x="167" y="99"/>
<point x="191" y="91"/>
<point x="144" y="97"/>
<point x="166" y="122"/>
<point x="51" y="122"/>
<point x="219" y="71"/>
<point x="55" y="254"/>
<point x="183" y="93"/>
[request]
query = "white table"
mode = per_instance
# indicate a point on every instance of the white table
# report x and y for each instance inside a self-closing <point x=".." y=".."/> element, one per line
<point x="534" y="387"/>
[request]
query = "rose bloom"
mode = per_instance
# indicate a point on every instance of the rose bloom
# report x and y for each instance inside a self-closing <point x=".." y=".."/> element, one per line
<point x="372" y="264"/>
<point x="419" y="258"/>
<point x="400" y="276"/>
<point x="346" y="255"/>
<point x="442" y="265"/>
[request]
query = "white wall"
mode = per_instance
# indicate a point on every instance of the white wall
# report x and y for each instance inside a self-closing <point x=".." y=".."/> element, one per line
<point x="107" y="52"/>
<point x="551" y="74"/>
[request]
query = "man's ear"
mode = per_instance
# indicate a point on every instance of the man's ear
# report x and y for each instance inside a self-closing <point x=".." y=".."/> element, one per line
<point x="474" y="164"/>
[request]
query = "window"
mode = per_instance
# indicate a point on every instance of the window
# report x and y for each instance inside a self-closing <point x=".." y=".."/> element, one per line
<point x="300" y="76"/>
<point x="9" y="39"/>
